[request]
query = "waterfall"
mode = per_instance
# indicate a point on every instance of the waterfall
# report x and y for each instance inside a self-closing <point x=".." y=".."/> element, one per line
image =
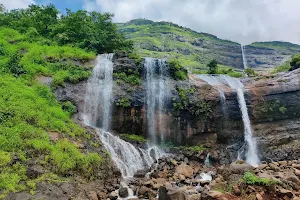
<point x="98" y="104"/>
<point x="244" y="56"/>
<point x="207" y="160"/>
<point x="156" y="89"/>
<point x="235" y="84"/>
<point x="99" y="93"/>
<point x="127" y="157"/>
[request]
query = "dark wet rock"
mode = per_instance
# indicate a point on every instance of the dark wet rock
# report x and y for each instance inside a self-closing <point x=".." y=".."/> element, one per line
<point x="123" y="192"/>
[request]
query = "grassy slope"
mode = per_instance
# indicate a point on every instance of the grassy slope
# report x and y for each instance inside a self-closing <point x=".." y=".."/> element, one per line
<point x="277" y="45"/>
<point x="29" y="111"/>
<point x="159" y="39"/>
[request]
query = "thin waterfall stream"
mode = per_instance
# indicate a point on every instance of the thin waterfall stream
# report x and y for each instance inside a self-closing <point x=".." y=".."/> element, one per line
<point x="244" y="57"/>
<point x="157" y="93"/>
<point x="236" y="85"/>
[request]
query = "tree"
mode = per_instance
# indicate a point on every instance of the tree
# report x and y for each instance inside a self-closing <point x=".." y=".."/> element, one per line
<point x="2" y="8"/>
<point x="213" y="67"/>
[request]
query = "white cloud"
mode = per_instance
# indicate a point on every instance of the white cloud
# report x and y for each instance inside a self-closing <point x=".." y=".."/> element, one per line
<point x="14" y="4"/>
<point x="244" y="21"/>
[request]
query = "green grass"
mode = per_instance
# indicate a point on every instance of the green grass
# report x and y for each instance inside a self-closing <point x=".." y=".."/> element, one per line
<point x="27" y="60"/>
<point x="193" y="148"/>
<point x="222" y="69"/>
<point x="281" y="68"/>
<point x="276" y="45"/>
<point x="252" y="179"/>
<point x="132" y="137"/>
<point x="29" y="111"/>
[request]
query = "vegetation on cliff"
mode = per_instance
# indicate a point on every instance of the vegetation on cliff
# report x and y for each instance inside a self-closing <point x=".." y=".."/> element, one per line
<point x="35" y="129"/>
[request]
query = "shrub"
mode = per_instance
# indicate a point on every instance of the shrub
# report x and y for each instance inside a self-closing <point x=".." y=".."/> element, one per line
<point x="69" y="107"/>
<point x="177" y="71"/>
<point x="123" y="102"/>
<point x="295" y="63"/>
<point x="251" y="179"/>
<point x="135" y="138"/>
<point x="250" y="72"/>
<point x="213" y="67"/>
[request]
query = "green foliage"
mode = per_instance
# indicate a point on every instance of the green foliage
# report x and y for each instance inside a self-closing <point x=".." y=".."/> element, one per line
<point x="184" y="103"/>
<point x="212" y="66"/>
<point x="90" y="30"/>
<point x="250" y="72"/>
<point x="272" y="108"/>
<point x="67" y="157"/>
<point x="123" y="102"/>
<point x="295" y="63"/>
<point x="5" y="158"/>
<point x="276" y="45"/>
<point x="281" y="68"/>
<point x="48" y="177"/>
<point x="136" y="138"/>
<point x="28" y="59"/>
<point x="134" y="55"/>
<point x="69" y="107"/>
<point x="252" y="179"/>
<point x="132" y="79"/>
<point x="193" y="148"/>
<point x="177" y="71"/>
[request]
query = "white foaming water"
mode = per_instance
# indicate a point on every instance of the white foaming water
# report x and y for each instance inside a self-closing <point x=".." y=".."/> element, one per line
<point x="236" y="84"/>
<point x="207" y="161"/>
<point x="206" y="177"/>
<point x="244" y="57"/>
<point x="99" y="92"/>
<point x="156" y="89"/>
<point x="127" y="157"/>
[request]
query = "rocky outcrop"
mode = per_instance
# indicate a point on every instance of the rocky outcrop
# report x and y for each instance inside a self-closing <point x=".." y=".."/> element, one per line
<point x="265" y="58"/>
<point x="272" y="104"/>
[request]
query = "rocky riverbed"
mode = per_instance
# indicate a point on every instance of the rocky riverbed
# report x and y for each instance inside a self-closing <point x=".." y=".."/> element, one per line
<point x="176" y="177"/>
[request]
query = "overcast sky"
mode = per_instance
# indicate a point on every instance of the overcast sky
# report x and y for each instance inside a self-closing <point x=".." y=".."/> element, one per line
<point x="244" y="21"/>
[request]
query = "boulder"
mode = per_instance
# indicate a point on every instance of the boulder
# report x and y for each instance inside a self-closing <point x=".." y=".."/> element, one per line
<point x="185" y="170"/>
<point x="123" y="192"/>
<point x="240" y="168"/>
<point x="113" y="196"/>
<point x="92" y="195"/>
<point x="177" y="194"/>
<point x="163" y="194"/>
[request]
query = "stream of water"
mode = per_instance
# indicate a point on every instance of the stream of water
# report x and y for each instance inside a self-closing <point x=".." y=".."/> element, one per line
<point x="236" y="85"/>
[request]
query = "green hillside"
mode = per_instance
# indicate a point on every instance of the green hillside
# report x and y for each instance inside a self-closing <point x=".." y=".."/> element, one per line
<point x="36" y="131"/>
<point x="192" y="49"/>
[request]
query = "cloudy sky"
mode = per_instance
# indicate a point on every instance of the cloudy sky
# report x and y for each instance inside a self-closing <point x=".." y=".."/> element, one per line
<point x="244" y="21"/>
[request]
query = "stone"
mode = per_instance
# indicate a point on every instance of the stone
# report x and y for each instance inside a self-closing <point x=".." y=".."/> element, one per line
<point x="163" y="194"/>
<point x="177" y="194"/>
<point x="259" y="197"/>
<point x="293" y="179"/>
<point x="143" y="190"/>
<point x="92" y="195"/>
<point x="193" y="197"/>
<point x="123" y="192"/>
<point x="239" y="168"/>
<point x="185" y="170"/>
<point x="274" y="167"/>
<point x="262" y="166"/>
<point x="181" y="177"/>
<point x="214" y="194"/>
<point x="286" y="192"/>
<point x="236" y="190"/>
<point x="297" y="172"/>
<point x="113" y="196"/>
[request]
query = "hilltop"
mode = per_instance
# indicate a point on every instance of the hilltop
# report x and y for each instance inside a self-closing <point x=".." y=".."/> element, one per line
<point x="196" y="50"/>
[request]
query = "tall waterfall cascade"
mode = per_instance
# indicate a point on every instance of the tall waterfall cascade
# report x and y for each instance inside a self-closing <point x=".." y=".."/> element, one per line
<point x="157" y="93"/>
<point x="98" y="110"/>
<point x="244" y="57"/>
<point x="235" y="84"/>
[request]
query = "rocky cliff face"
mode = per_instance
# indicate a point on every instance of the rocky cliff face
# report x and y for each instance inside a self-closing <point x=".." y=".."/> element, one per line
<point x="272" y="103"/>
<point x="266" y="57"/>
